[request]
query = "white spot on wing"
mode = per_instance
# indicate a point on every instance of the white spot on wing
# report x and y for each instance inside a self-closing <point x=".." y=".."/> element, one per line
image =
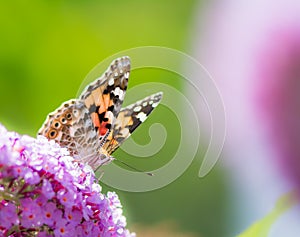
<point x="155" y="104"/>
<point x="141" y="116"/>
<point x="119" y="92"/>
<point x="116" y="91"/>
<point x="137" y="109"/>
<point x="111" y="82"/>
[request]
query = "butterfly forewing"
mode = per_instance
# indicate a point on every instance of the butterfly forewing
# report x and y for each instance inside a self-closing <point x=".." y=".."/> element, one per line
<point x="129" y="119"/>
<point x="104" y="97"/>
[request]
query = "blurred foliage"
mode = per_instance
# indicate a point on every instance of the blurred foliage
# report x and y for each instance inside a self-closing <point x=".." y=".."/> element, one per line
<point x="162" y="230"/>
<point x="262" y="227"/>
<point x="46" y="50"/>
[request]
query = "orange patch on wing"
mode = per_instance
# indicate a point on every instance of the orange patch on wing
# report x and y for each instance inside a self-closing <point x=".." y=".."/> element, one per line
<point x="95" y="120"/>
<point x="103" y="129"/>
<point x="113" y="142"/>
<point x="97" y="98"/>
<point x="103" y="102"/>
<point x="106" y="99"/>
<point x="89" y="101"/>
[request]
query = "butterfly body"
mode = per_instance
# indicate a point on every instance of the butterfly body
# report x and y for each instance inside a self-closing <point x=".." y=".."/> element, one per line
<point x="93" y="126"/>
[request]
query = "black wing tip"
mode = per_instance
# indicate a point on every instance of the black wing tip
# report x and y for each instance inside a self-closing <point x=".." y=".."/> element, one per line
<point x="157" y="97"/>
<point x="122" y="62"/>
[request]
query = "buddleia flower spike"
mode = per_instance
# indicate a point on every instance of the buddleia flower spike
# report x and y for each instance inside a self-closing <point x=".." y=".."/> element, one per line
<point x="43" y="193"/>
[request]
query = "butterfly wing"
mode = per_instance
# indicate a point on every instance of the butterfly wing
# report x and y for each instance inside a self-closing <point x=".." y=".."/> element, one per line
<point x="71" y="127"/>
<point x="129" y="119"/>
<point x="104" y="97"/>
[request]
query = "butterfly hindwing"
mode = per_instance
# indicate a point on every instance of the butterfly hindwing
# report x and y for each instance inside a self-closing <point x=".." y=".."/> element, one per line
<point x="71" y="127"/>
<point x="104" y="97"/>
<point x="129" y="119"/>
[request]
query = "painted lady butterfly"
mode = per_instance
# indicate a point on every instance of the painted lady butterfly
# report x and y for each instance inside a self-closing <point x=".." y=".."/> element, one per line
<point x="94" y="126"/>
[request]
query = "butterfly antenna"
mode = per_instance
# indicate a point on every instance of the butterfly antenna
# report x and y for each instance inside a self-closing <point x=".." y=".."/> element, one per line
<point x="131" y="167"/>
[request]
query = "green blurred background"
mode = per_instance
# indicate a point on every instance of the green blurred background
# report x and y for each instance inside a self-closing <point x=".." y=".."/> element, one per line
<point x="46" y="50"/>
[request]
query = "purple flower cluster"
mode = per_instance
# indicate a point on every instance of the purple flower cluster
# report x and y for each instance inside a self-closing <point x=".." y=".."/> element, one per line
<point x="44" y="192"/>
<point x="279" y="94"/>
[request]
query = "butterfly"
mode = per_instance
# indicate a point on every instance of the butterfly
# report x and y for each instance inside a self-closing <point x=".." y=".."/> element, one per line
<point x="93" y="126"/>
